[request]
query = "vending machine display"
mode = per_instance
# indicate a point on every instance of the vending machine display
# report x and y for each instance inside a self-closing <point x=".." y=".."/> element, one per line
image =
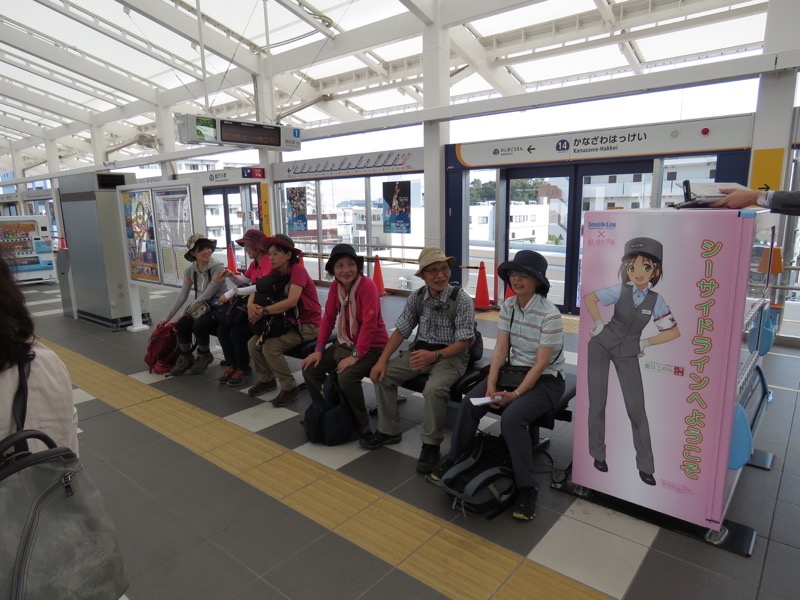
<point x="27" y="241"/>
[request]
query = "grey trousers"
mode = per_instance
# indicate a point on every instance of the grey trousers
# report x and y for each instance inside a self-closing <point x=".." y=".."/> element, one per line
<point x="270" y="363"/>
<point x="350" y="381"/>
<point x="516" y="417"/>
<point x="630" y="381"/>
<point x="442" y="376"/>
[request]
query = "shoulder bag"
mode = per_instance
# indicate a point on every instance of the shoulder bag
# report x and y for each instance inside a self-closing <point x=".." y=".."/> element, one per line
<point x="57" y="539"/>
<point x="511" y="376"/>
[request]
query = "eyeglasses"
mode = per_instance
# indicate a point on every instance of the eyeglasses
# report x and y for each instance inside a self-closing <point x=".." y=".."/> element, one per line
<point x="274" y="254"/>
<point x="520" y="274"/>
<point x="436" y="270"/>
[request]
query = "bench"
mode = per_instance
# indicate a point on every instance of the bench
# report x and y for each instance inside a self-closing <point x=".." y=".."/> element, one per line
<point x="302" y="350"/>
<point x="475" y="374"/>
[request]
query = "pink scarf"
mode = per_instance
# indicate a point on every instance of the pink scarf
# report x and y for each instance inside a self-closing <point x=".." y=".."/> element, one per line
<point x="347" y="312"/>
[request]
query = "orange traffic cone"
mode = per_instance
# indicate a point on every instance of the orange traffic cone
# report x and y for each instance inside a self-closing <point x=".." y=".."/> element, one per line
<point x="482" y="290"/>
<point x="302" y="262"/>
<point x="509" y="292"/>
<point x="63" y="243"/>
<point x="232" y="260"/>
<point x="377" y="276"/>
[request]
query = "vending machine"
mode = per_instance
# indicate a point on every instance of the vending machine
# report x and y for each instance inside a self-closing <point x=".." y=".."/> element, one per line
<point x="667" y="358"/>
<point x="27" y="241"/>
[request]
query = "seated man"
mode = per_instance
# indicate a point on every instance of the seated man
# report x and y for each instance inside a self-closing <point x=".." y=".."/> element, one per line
<point x="439" y="350"/>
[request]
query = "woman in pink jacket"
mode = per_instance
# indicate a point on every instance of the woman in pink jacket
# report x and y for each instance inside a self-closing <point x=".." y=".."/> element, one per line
<point x="353" y="306"/>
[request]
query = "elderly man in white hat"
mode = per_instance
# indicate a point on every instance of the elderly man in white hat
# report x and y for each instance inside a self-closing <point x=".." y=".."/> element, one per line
<point x="439" y="350"/>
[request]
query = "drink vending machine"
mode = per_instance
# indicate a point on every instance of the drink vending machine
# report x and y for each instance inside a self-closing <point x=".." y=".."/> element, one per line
<point x="27" y="241"/>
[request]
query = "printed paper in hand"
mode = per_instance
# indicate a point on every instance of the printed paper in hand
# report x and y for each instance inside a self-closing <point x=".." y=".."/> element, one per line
<point x="480" y="401"/>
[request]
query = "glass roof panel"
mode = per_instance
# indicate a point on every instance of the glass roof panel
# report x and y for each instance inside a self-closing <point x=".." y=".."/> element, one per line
<point x="565" y="65"/>
<point x="539" y="12"/>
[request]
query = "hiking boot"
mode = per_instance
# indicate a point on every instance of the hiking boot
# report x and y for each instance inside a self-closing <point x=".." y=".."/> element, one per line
<point x="371" y="441"/>
<point x="525" y="508"/>
<point x="239" y="378"/>
<point x="226" y="376"/>
<point x="435" y="476"/>
<point x="428" y="458"/>
<point x="262" y="387"/>
<point x="184" y="362"/>
<point x="285" y="397"/>
<point x="201" y="363"/>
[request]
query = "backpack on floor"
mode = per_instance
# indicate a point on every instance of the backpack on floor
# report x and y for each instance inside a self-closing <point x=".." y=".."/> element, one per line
<point x="476" y="346"/>
<point x="330" y="420"/>
<point x="162" y="349"/>
<point x="482" y="482"/>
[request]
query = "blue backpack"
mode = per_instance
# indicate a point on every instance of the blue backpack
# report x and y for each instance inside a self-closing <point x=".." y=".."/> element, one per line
<point x="330" y="420"/>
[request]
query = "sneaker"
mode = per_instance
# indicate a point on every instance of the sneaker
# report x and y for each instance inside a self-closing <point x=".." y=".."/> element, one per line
<point x="201" y="363"/>
<point x="435" y="476"/>
<point x="525" y="508"/>
<point x="262" y="387"/>
<point x="238" y="379"/>
<point x="377" y="439"/>
<point x="227" y="375"/>
<point x="285" y="397"/>
<point x="184" y="362"/>
<point x="428" y="458"/>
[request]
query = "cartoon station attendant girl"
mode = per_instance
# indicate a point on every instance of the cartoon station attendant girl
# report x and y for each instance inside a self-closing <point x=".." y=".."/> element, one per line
<point x="620" y="342"/>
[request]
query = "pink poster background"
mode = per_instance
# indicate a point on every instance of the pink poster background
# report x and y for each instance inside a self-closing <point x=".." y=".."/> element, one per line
<point x="706" y="257"/>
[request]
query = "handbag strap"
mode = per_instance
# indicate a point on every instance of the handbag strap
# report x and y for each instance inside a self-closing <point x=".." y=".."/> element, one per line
<point x="508" y="356"/>
<point x="19" y="408"/>
<point x="195" y="284"/>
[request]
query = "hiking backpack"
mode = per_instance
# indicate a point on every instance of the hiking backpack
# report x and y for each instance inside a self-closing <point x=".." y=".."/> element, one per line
<point x="476" y="346"/>
<point x="482" y="482"/>
<point x="329" y="421"/>
<point x="162" y="349"/>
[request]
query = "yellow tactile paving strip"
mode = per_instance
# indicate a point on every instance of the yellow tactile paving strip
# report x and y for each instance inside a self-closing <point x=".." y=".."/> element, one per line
<point x="445" y="557"/>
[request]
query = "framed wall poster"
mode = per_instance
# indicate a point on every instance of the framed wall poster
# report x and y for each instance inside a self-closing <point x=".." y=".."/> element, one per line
<point x="140" y="235"/>
<point x="397" y="207"/>
<point x="173" y="227"/>
<point x="297" y="209"/>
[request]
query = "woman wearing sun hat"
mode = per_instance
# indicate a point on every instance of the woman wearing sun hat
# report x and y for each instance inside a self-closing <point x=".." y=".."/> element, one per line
<point x="530" y="334"/>
<point x="354" y="308"/>
<point x="305" y="314"/>
<point x="205" y="275"/>
<point x="233" y="338"/>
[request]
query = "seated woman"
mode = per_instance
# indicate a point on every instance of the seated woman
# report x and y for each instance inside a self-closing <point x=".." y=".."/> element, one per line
<point x="354" y="306"/>
<point x="234" y="338"/>
<point x="205" y="275"/>
<point x="50" y="406"/>
<point x="530" y="333"/>
<point x="301" y="300"/>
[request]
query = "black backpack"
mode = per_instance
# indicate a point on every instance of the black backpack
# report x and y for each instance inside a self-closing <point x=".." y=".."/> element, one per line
<point x="476" y="346"/>
<point x="330" y="420"/>
<point x="482" y="482"/>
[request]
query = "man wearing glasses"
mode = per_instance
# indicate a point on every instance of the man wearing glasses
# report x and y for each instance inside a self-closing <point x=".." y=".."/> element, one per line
<point x="439" y="350"/>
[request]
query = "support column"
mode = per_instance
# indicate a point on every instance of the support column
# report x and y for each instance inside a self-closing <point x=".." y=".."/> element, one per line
<point x="772" y="130"/>
<point x="265" y="105"/>
<point x="436" y="74"/>
<point x="165" y="132"/>
<point x="53" y="166"/>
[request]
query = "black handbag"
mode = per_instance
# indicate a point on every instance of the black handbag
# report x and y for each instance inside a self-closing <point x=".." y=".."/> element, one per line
<point x="57" y="539"/>
<point x="510" y="377"/>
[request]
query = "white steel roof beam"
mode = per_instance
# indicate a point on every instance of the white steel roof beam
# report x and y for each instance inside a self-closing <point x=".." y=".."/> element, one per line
<point x="217" y="39"/>
<point x="47" y="102"/>
<point x="54" y="52"/>
<point x="46" y="72"/>
<point x="465" y="43"/>
<point x="123" y="36"/>
<point x="309" y="16"/>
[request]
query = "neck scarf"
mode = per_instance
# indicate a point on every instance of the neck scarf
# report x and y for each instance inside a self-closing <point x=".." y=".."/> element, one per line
<point x="347" y="313"/>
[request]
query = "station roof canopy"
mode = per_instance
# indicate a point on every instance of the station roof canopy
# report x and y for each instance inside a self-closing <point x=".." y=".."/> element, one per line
<point x="74" y="69"/>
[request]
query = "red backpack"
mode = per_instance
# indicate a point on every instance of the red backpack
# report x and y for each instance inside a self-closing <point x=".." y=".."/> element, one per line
<point x="162" y="349"/>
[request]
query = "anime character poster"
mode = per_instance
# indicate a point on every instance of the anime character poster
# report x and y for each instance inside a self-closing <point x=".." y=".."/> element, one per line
<point x="137" y="208"/>
<point x="297" y="209"/>
<point x="663" y="301"/>
<point x="397" y="207"/>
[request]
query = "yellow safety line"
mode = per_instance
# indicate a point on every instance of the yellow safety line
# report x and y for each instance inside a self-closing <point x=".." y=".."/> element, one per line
<point x="444" y="556"/>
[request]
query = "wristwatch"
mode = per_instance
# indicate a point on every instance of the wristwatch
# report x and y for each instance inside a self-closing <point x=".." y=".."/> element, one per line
<point x="437" y="356"/>
<point x="355" y="353"/>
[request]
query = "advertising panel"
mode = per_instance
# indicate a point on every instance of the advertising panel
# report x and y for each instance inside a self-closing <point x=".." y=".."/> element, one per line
<point x="137" y="207"/>
<point x="397" y="207"/>
<point x="663" y="295"/>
